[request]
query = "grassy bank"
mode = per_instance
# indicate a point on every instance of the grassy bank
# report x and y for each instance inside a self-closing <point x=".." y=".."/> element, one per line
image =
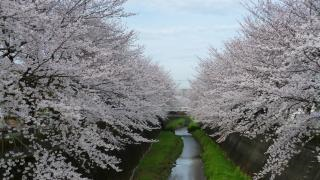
<point x="157" y="163"/>
<point x="217" y="165"/>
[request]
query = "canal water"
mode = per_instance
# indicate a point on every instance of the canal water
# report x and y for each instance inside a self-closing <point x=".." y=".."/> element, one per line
<point x="189" y="166"/>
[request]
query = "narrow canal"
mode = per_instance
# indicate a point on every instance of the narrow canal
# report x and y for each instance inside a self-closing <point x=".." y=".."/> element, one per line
<point x="189" y="166"/>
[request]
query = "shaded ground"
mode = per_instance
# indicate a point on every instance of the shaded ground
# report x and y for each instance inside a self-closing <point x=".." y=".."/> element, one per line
<point x="131" y="155"/>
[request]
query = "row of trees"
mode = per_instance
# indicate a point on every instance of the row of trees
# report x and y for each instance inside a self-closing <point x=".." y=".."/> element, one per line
<point x="266" y="81"/>
<point x="74" y="87"/>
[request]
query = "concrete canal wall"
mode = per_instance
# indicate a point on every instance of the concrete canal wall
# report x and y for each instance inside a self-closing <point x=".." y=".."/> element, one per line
<point x="250" y="156"/>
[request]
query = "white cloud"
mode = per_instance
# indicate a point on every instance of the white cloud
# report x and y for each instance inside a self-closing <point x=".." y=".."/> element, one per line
<point x="176" y="30"/>
<point x="202" y="6"/>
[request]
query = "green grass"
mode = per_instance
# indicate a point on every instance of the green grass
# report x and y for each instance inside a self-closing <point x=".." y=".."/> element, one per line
<point x="216" y="164"/>
<point x="157" y="163"/>
<point x="175" y="123"/>
<point x="193" y="126"/>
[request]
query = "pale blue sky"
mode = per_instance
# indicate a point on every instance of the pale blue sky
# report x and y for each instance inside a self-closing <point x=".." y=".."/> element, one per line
<point x="176" y="32"/>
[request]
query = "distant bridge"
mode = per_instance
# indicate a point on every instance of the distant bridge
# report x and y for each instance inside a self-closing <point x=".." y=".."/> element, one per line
<point x="180" y="109"/>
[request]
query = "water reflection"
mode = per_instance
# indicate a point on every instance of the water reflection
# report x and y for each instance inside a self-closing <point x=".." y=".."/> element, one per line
<point x="189" y="165"/>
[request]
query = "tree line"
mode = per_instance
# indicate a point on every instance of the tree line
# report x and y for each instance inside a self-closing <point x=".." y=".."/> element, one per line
<point x="75" y="88"/>
<point x="266" y="81"/>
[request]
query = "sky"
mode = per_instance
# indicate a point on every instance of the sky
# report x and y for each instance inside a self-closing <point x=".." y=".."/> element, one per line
<point x="176" y="33"/>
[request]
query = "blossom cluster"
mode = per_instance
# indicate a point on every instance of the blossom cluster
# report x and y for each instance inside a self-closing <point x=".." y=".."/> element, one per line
<point x="266" y="81"/>
<point x="74" y="88"/>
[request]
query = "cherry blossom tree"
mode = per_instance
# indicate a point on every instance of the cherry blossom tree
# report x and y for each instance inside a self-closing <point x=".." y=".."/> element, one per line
<point x="75" y="87"/>
<point x="266" y="82"/>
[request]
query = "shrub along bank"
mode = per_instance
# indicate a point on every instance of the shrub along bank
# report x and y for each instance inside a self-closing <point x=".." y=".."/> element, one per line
<point x="176" y="123"/>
